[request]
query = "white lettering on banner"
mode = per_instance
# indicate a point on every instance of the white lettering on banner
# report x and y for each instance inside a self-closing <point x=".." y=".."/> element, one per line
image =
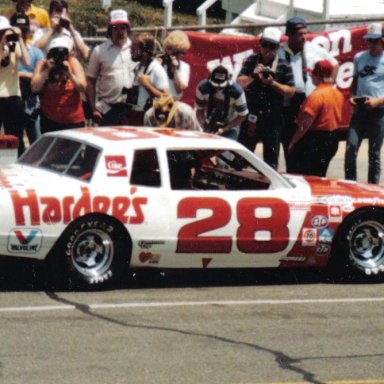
<point x="344" y="76"/>
<point x="332" y="42"/>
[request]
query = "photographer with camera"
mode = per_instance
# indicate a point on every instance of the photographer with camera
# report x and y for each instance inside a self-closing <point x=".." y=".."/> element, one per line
<point x="30" y="100"/>
<point x="220" y="103"/>
<point x="150" y="79"/>
<point x="12" y="49"/>
<point x="170" y="113"/>
<point x="60" y="81"/>
<point x="367" y="99"/>
<point x="38" y="17"/>
<point x="266" y="79"/>
<point x="61" y="25"/>
<point x="175" y="45"/>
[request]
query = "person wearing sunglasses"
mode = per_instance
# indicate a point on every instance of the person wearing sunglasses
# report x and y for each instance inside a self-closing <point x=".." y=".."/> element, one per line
<point x="175" y="45"/>
<point x="12" y="49"/>
<point x="266" y="80"/>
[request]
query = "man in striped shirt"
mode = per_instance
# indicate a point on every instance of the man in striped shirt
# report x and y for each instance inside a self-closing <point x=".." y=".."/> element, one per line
<point x="266" y="79"/>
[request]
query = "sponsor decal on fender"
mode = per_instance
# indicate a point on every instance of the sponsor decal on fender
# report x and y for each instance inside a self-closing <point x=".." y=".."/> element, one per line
<point x="322" y="249"/>
<point x="25" y="240"/>
<point x="326" y="236"/>
<point x="148" y="257"/>
<point x="335" y="214"/>
<point x="51" y="209"/>
<point x="309" y="237"/>
<point x="146" y="244"/>
<point x="116" y="166"/>
<point x="293" y="259"/>
<point x="319" y="221"/>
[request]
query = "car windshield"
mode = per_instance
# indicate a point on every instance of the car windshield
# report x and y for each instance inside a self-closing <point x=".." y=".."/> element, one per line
<point x="62" y="155"/>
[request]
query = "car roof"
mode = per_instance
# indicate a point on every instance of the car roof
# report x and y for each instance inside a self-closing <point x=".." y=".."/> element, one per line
<point x="119" y="137"/>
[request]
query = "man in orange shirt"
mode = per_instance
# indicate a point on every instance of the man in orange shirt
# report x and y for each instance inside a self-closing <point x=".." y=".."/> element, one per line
<point x="38" y="17"/>
<point x="316" y="141"/>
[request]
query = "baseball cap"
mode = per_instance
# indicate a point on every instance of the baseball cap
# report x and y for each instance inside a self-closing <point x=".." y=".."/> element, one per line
<point x="272" y="35"/>
<point x="293" y="24"/>
<point x="60" y="42"/>
<point x="21" y="20"/>
<point x="118" y="16"/>
<point x="4" y="23"/>
<point x="375" y="31"/>
<point x="220" y="76"/>
<point x="323" y="69"/>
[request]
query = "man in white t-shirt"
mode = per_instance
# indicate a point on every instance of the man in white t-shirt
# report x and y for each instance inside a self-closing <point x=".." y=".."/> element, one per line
<point x="110" y="72"/>
<point x="150" y="79"/>
<point x="302" y="56"/>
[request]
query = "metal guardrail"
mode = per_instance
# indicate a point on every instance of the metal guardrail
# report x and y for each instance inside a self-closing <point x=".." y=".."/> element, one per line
<point x="97" y="35"/>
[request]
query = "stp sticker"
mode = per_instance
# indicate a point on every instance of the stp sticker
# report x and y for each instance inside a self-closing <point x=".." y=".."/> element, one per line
<point x="319" y="221"/>
<point x="309" y="237"/>
<point x="26" y="240"/>
<point x="116" y="166"/>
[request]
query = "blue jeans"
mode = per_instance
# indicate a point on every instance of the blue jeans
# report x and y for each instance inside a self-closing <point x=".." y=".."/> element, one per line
<point x="370" y="124"/>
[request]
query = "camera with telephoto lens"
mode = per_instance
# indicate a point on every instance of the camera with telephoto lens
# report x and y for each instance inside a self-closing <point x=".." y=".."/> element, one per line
<point x="267" y="72"/>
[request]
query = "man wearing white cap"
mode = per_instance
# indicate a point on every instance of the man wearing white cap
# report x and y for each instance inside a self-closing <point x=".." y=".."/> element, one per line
<point x="12" y="48"/>
<point x="110" y="72"/>
<point x="367" y="99"/>
<point x="266" y="79"/>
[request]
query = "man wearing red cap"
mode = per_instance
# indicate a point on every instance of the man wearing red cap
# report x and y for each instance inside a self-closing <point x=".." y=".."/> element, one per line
<point x="110" y="72"/>
<point x="316" y="140"/>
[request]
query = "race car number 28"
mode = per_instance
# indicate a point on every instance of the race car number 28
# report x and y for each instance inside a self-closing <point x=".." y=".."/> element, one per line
<point x="262" y="225"/>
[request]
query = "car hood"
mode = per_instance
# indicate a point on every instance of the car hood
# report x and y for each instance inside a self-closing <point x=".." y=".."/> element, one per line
<point x="18" y="176"/>
<point x="331" y="190"/>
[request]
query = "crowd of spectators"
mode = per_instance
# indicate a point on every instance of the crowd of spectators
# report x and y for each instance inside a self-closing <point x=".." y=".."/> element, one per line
<point x="284" y="94"/>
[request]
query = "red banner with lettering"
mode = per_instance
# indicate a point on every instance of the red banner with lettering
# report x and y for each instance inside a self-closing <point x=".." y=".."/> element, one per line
<point x="208" y="48"/>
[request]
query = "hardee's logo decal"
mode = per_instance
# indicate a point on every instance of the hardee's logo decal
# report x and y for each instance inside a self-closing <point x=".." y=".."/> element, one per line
<point x="51" y="210"/>
<point x="116" y="166"/>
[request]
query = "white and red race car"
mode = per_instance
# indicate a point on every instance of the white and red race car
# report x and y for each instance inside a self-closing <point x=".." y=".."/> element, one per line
<point x="93" y="202"/>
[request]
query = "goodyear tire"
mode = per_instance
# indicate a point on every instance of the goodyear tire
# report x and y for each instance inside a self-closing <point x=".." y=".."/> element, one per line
<point x="93" y="252"/>
<point x="360" y="250"/>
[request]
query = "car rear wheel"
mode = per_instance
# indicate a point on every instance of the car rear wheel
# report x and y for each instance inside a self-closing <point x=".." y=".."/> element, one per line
<point x="93" y="252"/>
<point x="361" y="242"/>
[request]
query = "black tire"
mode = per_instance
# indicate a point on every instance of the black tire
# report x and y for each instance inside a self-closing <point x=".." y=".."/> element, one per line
<point x="359" y="246"/>
<point x="93" y="252"/>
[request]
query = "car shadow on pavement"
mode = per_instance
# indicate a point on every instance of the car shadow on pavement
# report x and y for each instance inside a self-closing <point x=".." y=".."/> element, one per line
<point x="25" y="275"/>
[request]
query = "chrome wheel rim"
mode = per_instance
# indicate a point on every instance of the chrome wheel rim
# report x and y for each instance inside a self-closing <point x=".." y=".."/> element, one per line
<point x="92" y="253"/>
<point x="367" y="245"/>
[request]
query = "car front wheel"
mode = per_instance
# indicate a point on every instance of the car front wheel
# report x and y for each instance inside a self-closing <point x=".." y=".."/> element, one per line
<point x="93" y="251"/>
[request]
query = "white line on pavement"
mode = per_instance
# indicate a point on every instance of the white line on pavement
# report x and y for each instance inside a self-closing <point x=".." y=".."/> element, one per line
<point x="159" y="304"/>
